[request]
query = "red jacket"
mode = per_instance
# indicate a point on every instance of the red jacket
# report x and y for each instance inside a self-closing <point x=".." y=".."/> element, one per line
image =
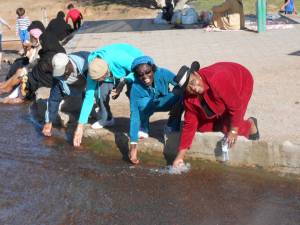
<point x="227" y="91"/>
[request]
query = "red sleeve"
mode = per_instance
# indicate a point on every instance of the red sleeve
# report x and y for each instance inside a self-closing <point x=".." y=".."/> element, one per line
<point x="190" y="126"/>
<point x="226" y="86"/>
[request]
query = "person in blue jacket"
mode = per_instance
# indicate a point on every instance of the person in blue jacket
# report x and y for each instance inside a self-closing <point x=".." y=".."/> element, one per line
<point x="69" y="73"/>
<point x="150" y="93"/>
<point x="288" y="7"/>
<point x="109" y="67"/>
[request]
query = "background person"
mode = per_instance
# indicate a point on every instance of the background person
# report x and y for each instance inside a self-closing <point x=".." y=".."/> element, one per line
<point x="216" y="99"/>
<point x="229" y="15"/>
<point x="22" y="23"/>
<point x="288" y="7"/>
<point x="59" y="27"/>
<point x="75" y="16"/>
<point x="23" y="65"/>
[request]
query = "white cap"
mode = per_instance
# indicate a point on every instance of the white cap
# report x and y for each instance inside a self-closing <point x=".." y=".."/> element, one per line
<point x="59" y="62"/>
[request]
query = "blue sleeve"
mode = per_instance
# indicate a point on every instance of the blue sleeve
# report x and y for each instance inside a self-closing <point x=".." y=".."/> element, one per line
<point x="56" y="95"/>
<point x="134" y="117"/>
<point x="88" y="101"/>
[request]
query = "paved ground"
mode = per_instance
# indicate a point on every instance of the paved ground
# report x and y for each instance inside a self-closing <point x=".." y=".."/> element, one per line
<point x="272" y="57"/>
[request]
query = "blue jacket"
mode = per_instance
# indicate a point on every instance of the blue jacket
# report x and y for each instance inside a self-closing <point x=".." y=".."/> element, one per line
<point x="119" y="58"/>
<point x="141" y="94"/>
<point x="289" y="8"/>
<point x="60" y="87"/>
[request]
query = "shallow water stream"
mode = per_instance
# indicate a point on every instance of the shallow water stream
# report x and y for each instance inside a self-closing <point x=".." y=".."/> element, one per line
<point x="44" y="181"/>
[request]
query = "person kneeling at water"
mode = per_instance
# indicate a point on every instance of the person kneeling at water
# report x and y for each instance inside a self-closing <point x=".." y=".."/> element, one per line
<point x="109" y="67"/>
<point x="216" y="99"/>
<point x="69" y="73"/>
<point x="150" y="93"/>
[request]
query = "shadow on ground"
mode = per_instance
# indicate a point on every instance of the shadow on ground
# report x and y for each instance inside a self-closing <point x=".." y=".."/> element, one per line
<point x="129" y="3"/>
<point x="296" y="53"/>
<point x="107" y="26"/>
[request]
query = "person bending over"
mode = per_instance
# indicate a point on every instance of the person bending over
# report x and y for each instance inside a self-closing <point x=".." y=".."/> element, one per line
<point x="69" y="73"/>
<point x="149" y="94"/>
<point x="109" y="67"/>
<point x="216" y="99"/>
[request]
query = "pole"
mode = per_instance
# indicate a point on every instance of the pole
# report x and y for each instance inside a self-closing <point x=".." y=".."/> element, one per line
<point x="261" y="14"/>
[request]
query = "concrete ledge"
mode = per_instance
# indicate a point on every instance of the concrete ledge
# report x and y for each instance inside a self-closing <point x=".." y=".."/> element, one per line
<point x="279" y="157"/>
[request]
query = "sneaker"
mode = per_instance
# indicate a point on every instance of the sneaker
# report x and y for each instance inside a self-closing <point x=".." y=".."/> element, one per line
<point x="142" y="135"/>
<point x="100" y="124"/>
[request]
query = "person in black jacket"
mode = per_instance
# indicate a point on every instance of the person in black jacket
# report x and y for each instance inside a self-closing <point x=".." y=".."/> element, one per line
<point x="59" y="27"/>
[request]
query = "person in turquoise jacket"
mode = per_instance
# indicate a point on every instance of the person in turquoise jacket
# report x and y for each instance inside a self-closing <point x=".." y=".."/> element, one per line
<point x="150" y="93"/>
<point x="109" y="67"/>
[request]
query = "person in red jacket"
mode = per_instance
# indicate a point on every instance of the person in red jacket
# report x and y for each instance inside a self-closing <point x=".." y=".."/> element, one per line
<point x="75" y="16"/>
<point x="216" y="99"/>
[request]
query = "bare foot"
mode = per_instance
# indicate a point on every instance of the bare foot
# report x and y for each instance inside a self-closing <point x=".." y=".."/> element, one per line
<point x="12" y="101"/>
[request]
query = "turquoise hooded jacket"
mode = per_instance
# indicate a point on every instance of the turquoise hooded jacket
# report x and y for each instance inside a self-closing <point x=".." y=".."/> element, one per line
<point x="119" y="58"/>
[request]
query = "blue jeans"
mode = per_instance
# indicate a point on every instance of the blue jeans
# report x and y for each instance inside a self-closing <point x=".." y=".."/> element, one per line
<point x="169" y="102"/>
<point x="102" y="98"/>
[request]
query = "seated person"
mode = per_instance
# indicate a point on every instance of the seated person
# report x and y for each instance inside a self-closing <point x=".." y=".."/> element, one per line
<point x="41" y="73"/>
<point x="69" y="72"/>
<point x="149" y="94"/>
<point x="288" y="7"/>
<point x="229" y="15"/>
<point x="38" y="28"/>
<point x="216" y="99"/>
<point x="24" y="64"/>
<point x="109" y="66"/>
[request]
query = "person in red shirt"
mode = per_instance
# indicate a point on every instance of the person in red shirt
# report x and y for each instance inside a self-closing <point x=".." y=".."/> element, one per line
<point x="216" y="99"/>
<point x="75" y="16"/>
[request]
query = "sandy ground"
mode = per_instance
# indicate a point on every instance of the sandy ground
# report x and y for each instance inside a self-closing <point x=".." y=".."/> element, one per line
<point x="46" y="10"/>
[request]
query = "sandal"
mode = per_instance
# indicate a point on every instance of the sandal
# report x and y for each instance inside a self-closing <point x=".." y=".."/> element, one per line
<point x="255" y="136"/>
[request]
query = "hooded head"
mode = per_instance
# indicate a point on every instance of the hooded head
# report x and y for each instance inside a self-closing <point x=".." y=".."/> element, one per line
<point x="144" y="69"/>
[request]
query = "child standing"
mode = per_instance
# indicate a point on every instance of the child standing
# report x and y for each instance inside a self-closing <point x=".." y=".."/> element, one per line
<point x="22" y="24"/>
<point x="75" y="16"/>
<point x="288" y="7"/>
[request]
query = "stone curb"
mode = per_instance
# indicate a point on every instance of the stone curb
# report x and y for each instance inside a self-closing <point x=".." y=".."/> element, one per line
<point x="278" y="157"/>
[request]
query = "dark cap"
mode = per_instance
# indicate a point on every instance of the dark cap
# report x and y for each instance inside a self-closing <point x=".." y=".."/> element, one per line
<point x="182" y="77"/>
